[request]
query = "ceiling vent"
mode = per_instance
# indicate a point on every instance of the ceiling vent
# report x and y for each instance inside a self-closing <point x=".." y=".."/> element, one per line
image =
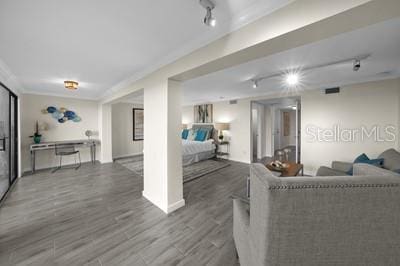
<point x="332" y="90"/>
<point x="233" y="102"/>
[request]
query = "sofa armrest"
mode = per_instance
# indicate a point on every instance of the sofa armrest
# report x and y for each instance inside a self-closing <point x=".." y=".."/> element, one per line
<point x="342" y="166"/>
<point x="327" y="171"/>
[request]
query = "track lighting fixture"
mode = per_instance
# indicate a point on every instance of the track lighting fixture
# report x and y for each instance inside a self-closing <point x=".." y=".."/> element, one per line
<point x="356" y="64"/>
<point x="293" y="78"/>
<point x="209" y="20"/>
<point x="255" y="84"/>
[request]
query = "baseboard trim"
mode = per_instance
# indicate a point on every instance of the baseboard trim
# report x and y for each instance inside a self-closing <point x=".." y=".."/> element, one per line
<point x="154" y="202"/>
<point x="239" y="160"/>
<point x="28" y="171"/>
<point x="177" y="205"/>
<point x="171" y="208"/>
<point x="126" y="156"/>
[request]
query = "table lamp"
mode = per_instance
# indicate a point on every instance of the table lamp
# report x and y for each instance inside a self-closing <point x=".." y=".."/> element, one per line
<point x="221" y="127"/>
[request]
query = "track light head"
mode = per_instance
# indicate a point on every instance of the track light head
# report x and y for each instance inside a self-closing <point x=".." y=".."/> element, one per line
<point x="209" y="20"/>
<point x="356" y="65"/>
<point x="255" y="84"/>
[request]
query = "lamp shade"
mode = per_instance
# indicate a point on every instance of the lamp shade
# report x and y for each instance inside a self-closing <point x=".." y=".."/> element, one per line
<point x="222" y="126"/>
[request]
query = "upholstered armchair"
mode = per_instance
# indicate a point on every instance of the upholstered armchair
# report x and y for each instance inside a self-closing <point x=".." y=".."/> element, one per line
<point x="340" y="220"/>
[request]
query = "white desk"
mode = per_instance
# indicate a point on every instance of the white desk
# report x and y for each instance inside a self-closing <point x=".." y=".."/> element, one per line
<point x="91" y="143"/>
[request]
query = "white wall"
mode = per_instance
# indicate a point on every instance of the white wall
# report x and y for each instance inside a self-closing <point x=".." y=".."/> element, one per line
<point x="238" y="115"/>
<point x="122" y="131"/>
<point x="369" y="104"/>
<point x="31" y="106"/>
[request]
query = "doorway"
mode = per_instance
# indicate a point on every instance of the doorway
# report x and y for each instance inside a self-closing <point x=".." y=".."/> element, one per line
<point x="8" y="139"/>
<point x="275" y="130"/>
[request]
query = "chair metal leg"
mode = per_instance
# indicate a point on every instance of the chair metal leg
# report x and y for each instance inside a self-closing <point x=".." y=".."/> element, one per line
<point x="80" y="163"/>
<point x="59" y="167"/>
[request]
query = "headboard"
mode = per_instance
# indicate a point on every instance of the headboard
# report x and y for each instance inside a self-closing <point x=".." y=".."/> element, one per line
<point x="214" y="132"/>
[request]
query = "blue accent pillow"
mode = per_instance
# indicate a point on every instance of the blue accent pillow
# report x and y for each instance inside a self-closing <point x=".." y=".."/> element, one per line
<point x="201" y="135"/>
<point x="185" y="133"/>
<point x="363" y="158"/>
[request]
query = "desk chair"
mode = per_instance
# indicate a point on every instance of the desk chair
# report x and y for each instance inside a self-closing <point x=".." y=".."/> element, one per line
<point x="66" y="150"/>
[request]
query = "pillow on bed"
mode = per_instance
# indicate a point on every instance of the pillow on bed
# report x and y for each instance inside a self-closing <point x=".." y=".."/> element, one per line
<point x="185" y="133"/>
<point x="209" y="132"/>
<point x="191" y="134"/>
<point x="201" y="135"/>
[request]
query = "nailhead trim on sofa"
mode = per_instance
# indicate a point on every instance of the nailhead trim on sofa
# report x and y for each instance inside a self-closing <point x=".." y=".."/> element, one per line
<point x="334" y="186"/>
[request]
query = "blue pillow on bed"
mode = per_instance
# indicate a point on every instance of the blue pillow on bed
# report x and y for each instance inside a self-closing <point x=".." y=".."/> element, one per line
<point x="201" y="135"/>
<point x="185" y="133"/>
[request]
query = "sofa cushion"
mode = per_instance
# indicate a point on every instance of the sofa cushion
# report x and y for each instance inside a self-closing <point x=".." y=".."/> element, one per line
<point x="371" y="170"/>
<point x="326" y="171"/>
<point x="363" y="158"/>
<point x="391" y="159"/>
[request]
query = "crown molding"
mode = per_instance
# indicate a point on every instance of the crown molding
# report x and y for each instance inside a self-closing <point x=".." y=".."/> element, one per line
<point x="60" y="96"/>
<point x="247" y="16"/>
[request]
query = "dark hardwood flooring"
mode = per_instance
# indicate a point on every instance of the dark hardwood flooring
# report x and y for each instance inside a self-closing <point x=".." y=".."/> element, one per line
<point x="96" y="215"/>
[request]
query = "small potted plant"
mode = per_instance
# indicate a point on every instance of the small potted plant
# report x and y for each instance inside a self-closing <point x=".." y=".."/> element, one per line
<point x="36" y="136"/>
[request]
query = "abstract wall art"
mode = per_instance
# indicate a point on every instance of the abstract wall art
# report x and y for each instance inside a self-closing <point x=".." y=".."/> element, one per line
<point x="138" y="124"/>
<point x="203" y="113"/>
<point x="62" y="114"/>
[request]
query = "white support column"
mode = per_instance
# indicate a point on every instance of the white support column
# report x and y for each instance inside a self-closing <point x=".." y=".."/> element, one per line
<point x="105" y="133"/>
<point x="163" y="184"/>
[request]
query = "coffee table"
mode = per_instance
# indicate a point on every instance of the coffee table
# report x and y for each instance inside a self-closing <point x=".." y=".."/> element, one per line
<point x="294" y="169"/>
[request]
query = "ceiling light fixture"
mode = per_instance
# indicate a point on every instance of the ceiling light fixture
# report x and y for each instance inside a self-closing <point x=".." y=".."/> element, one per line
<point x="292" y="78"/>
<point x="71" y="85"/>
<point x="209" y="20"/>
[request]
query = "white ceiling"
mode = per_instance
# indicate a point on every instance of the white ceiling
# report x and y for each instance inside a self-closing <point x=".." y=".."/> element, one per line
<point x="103" y="43"/>
<point x="382" y="41"/>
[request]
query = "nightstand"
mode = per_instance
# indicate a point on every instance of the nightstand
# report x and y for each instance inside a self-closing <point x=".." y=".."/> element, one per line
<point x="223" y="148"/>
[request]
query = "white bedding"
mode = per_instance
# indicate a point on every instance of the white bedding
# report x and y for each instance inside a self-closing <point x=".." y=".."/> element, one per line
<point x="190" y="147"/>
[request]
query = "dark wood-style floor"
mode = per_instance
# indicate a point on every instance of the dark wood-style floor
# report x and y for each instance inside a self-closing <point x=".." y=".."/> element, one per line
<point x="97" y="216"/>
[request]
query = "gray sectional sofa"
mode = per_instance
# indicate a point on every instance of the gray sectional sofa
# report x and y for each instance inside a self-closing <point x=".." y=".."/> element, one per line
<point x="335" y="220"/>
<point x="391" y="161"/>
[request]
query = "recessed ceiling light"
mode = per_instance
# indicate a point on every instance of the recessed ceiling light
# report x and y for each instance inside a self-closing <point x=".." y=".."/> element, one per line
<point x="292" y="79"/>
<point x="71" y="85"/>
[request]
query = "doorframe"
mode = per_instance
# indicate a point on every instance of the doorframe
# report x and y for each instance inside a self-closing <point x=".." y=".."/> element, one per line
<point x="275" y="110"/>
<point x="16" y="148"/>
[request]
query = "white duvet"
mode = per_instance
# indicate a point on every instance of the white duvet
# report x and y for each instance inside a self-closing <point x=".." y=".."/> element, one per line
<point x="190" y="147"/>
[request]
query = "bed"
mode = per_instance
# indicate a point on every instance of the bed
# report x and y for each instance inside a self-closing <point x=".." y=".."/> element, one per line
<point x="196" y="151"/>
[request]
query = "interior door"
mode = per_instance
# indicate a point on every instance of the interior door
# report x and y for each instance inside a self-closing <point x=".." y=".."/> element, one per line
<point x="4" y="141"/>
